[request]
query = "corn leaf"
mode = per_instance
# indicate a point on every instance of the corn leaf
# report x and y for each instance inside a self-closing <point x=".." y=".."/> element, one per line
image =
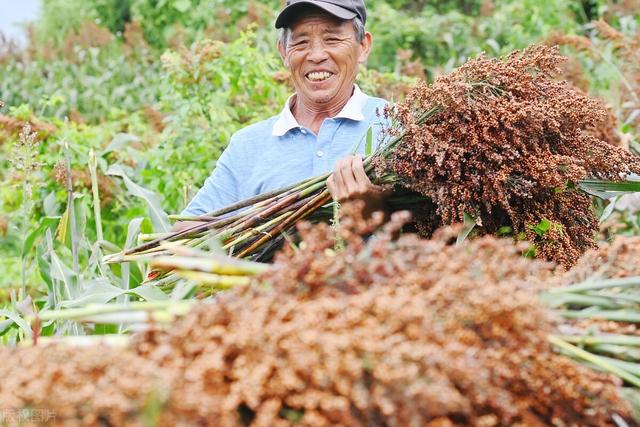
<point x="100" y="291"/>
<point x="609" y="189"/>
<point x="468" y="225"/>
<point x="45" y="224"/>
<point x="157" y="215"/>
<point x="18" y="320"/>
<point x="368" y="148"/>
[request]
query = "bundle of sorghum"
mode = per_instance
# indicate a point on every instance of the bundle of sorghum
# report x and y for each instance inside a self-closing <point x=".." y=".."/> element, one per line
<point x="508" y="147"/>
<point x="390" y="332"/>
<point x="497" y="139"/>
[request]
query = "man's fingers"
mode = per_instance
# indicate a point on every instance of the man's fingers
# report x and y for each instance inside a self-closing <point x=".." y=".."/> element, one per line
<point x="340" y="189"/>
<point x="337" y="188"/>
<point x="346" y="173"/>
<point x="331" y="186"/>
<point x="362" y="180"/>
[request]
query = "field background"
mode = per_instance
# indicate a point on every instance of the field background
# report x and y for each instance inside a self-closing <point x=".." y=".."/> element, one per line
<point x="132" y="102"/>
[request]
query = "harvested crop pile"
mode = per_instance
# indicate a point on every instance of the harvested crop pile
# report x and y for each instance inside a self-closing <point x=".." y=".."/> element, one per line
<point x="507" y="146"/>
<point x="389" y="332"/>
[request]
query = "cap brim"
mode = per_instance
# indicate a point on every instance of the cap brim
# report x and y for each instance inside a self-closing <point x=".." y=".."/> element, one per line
<point x="289" y="12"/>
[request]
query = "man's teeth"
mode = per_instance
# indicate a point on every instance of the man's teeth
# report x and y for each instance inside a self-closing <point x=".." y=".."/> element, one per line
<point x="319" y="76"/>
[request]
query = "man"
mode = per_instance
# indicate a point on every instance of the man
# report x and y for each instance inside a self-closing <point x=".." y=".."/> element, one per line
<point x="323" y="123"/>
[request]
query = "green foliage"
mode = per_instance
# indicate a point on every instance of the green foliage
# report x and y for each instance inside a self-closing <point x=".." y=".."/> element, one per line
<point x="444" y="37"/>
<point x="215" y="89"/>
<point x="100" y="84"/>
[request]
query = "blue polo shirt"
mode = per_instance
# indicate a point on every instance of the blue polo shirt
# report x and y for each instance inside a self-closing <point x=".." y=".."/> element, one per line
<point x="278" y="152"/>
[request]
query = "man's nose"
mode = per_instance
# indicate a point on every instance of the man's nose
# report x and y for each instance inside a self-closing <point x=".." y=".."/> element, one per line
<point x="317" y="52"/>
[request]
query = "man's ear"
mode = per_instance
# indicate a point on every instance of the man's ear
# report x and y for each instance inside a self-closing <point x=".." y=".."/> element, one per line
<point x="365" y="45"/>
<point x="283" y="53"/>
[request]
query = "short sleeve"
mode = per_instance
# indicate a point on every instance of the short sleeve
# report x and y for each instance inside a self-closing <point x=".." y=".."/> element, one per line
<point x="219" y="190"/>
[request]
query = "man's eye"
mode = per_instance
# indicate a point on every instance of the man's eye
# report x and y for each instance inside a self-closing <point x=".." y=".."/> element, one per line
<point x="333" y="39"/>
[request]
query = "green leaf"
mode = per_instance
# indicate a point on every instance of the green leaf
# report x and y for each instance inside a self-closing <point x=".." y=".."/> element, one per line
<point x="63" y="228"/>
<point x="157" y="215"/>
<point x="609" y="189"/>
<point x="5" y="325"/>
<point x="59" y="271"/>
<point x="531" y="252"/>
<point x="149" y="293"/>
<point x="121" y="141"/>
<point x="609" y="209"/>
<point x="542" y="227"/>
<point x="469" y="224"/>
<point x="505" y="230"/>
<point x="45" y="224"/>
<point x="182" y="5"/>
<point x="18" y="320"/>
<point x="368" y="148"/>
<point x="132" y="232"/>
<point x="100" y="291"/>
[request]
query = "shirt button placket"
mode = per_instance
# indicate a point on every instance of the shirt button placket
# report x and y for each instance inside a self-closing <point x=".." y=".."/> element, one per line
<point x="324" y="142"/>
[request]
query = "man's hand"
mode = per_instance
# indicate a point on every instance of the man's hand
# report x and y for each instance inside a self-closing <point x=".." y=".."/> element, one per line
<point x="349" y="181"/>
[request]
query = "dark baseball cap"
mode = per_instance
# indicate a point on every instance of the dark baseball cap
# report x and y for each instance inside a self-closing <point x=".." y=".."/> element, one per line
<point x="343" y="9"/>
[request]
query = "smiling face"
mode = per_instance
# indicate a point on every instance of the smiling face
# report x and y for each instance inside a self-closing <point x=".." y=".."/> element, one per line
<point x="322" y="55"/>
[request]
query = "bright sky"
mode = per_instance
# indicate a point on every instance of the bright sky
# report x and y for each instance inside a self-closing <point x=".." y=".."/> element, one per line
<point x="14" y="12"/>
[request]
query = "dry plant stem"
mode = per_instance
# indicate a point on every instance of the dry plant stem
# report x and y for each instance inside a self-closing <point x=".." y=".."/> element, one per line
<point x="257" y="230"/>
<point x="314" y="204"/>
<point x="273" y="201"/>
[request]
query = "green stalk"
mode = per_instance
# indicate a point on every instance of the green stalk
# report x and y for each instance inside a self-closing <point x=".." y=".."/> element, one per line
<point x="631" y="367"/>
<point x="175" y="307"/>
<point x="580" y="300"/>
<point x="625" y="296"/>
<point x="210" y="265"/>
<point x="596" y="360"/>
<point x="593" y="285"/>
<point x="615" y="315"/>
<point x="590" y="340"/>
<point x="216" y="280"/>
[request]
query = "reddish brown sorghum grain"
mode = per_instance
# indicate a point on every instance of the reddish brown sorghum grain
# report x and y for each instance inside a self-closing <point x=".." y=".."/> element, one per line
<point x="504" y="148"/>
<point x="81" y="179"/>
<point x="77" y="386"/>
<point x="392" y="331"/>
<point x="613" y="260"/>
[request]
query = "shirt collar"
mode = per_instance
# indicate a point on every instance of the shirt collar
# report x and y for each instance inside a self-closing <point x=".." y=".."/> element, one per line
<point x="352" y="111"/>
